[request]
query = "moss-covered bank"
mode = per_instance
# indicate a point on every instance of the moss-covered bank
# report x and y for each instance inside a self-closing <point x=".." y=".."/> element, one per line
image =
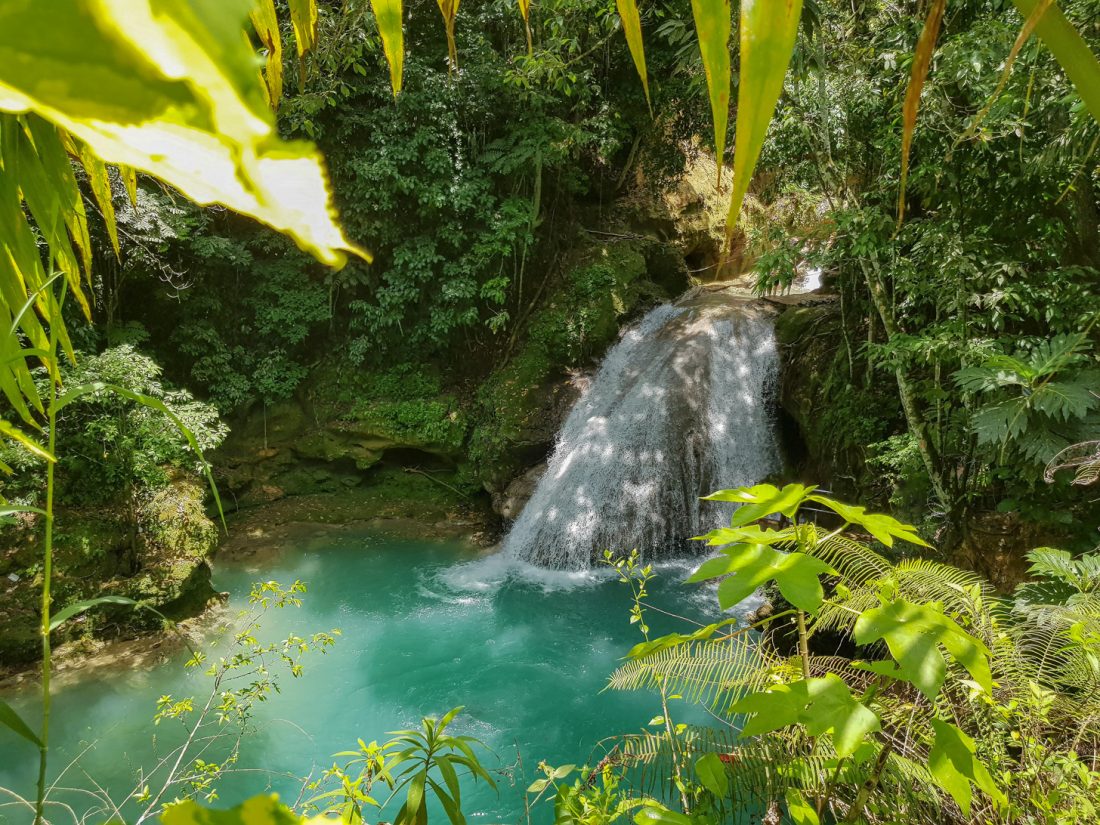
<point x="159" y="558"/>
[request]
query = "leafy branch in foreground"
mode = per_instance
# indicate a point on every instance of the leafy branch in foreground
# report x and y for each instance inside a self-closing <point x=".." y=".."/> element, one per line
<point x="942" y="702"/>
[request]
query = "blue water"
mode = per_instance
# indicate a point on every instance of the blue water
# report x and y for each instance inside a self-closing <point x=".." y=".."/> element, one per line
<point x="425" y="627"/>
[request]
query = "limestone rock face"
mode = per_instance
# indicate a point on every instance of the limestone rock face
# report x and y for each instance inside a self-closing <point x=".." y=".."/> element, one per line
<point x="510" y="503"/>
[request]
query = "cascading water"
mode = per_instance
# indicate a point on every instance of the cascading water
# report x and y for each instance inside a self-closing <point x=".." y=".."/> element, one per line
<point x="678" y="409"/>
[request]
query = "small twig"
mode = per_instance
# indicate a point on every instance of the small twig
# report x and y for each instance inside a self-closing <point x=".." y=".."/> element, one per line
<point x="436" y="480"/>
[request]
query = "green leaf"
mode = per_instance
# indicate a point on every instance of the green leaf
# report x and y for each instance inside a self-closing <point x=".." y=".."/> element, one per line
<point x="954" y="766"/>
<point x="1070" y="50"/>
<point x="648" y="648"/>
<point x="259" y="810"/>
<point x="799" y="808"/>
<point x="712" y="25"/>
<point x="824" y="705"/>
<point x="915" y="634"/>
<point x="632" y="28"/>
<point x="712" y="773"/>
<point x="303" y="17"/>
<point x="882" y="527"/>
<point x="171" y="88"/>
<point x="768" y="29"/>
<point x="654" y="813"/>
<point x="749" y="566"/>
<point x="762" y="500"/>
<point x="388" y="17"/>
<point x="76" y="608"/>
<point x="11" y="720"/>
<point x="751" y="534"/>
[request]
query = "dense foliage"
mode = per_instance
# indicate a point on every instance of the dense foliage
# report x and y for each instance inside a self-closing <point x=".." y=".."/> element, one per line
<point x="965" y="353"/>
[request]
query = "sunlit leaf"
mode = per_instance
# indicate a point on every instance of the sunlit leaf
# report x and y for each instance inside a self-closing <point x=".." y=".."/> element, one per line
<point x="387" y="16"/>
<point x="917" y="635"/>
<point x="303" y="18"/>
<point x="922" y="59"/>
<point x="768" y="29"/>
<point x="449" y="10"/>
<point x="822" y="706"/>
<point x="954" y="767"/>
<point x="99" y="181"/>
<point x="632" y="28"/>
<point x="171" y="90"/>
<point x="8" y="430"/>
<point x="799" y="809"/>
<point x="266" y="24"/>
<point x="882" y="527"/>
<point x="762" y="500"/>
<point x="750" y="566"/>
<point x="712" y="24"/>
<point x="525" y="10"/>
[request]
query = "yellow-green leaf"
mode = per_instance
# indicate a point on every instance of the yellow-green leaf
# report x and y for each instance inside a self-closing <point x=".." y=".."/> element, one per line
<point x="1070" y="50"/>
<point x="449" y="10"/>
<point x="768" y="29"/>
<point x="922" y="59"/>
<point x="99" y="181"/>
<point x="303" y="17"/>
<point x="387" y="15"/>
<point x="712" y="23"/>
<point x="632" y="28"/>
<point x="169" y="88"/>
<point x="129" y="180"/>
<point x="8" y="430"/>
<point x="525" y="10"/>
<point x="266" y="25"/>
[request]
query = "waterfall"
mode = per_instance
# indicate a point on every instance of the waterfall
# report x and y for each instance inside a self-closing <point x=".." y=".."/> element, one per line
<point x="680" y="407"/>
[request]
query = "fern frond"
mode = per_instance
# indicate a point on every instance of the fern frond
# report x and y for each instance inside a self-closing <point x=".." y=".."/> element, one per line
<point x="710" y="673"/>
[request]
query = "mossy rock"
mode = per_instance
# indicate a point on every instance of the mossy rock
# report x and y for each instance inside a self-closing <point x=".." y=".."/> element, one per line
<point x="521" y="405"/>
<point x="161" y="561"/>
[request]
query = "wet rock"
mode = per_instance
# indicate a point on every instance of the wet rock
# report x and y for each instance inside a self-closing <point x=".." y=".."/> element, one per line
<point x="510" y="503"/>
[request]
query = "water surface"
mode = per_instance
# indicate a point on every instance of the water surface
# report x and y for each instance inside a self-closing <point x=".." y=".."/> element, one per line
<point x="425" y="627"/>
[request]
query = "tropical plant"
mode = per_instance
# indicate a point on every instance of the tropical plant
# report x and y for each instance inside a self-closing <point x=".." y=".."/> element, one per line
<point x="889" y="690"/>
<point x="1037" y="402"/>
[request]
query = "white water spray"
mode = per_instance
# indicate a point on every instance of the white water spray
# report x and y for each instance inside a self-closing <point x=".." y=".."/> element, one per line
<point x="680" y="407"/>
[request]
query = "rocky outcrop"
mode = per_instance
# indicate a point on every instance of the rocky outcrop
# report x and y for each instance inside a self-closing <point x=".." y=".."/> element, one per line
<point x="161" y="561"/>
<point x="510" y="503"/>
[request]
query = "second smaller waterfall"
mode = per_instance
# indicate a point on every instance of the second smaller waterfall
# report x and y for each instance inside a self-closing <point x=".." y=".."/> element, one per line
<point x="679" y="408"/>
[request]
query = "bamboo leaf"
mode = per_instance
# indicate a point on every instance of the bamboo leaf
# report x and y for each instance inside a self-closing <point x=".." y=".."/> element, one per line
<point x="525" y="10"/>
<point x="11" y="720"/>
<point x="632" y="28"/>
<point x="8" y="430"/>
<point x="449" y="10"/>
<point x="712" y="24"/>
<point x="1070" y="50"/>
<point x="99" y="181"/>
<point x="922" y="59"/>
<point x="387" y="15"/>
<point x="77" y="608"/>
<point x="266" y="25"/>
<point x="303" y="17"/>
<point x="768" y="29"/>
<point x="129" y="180"/>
